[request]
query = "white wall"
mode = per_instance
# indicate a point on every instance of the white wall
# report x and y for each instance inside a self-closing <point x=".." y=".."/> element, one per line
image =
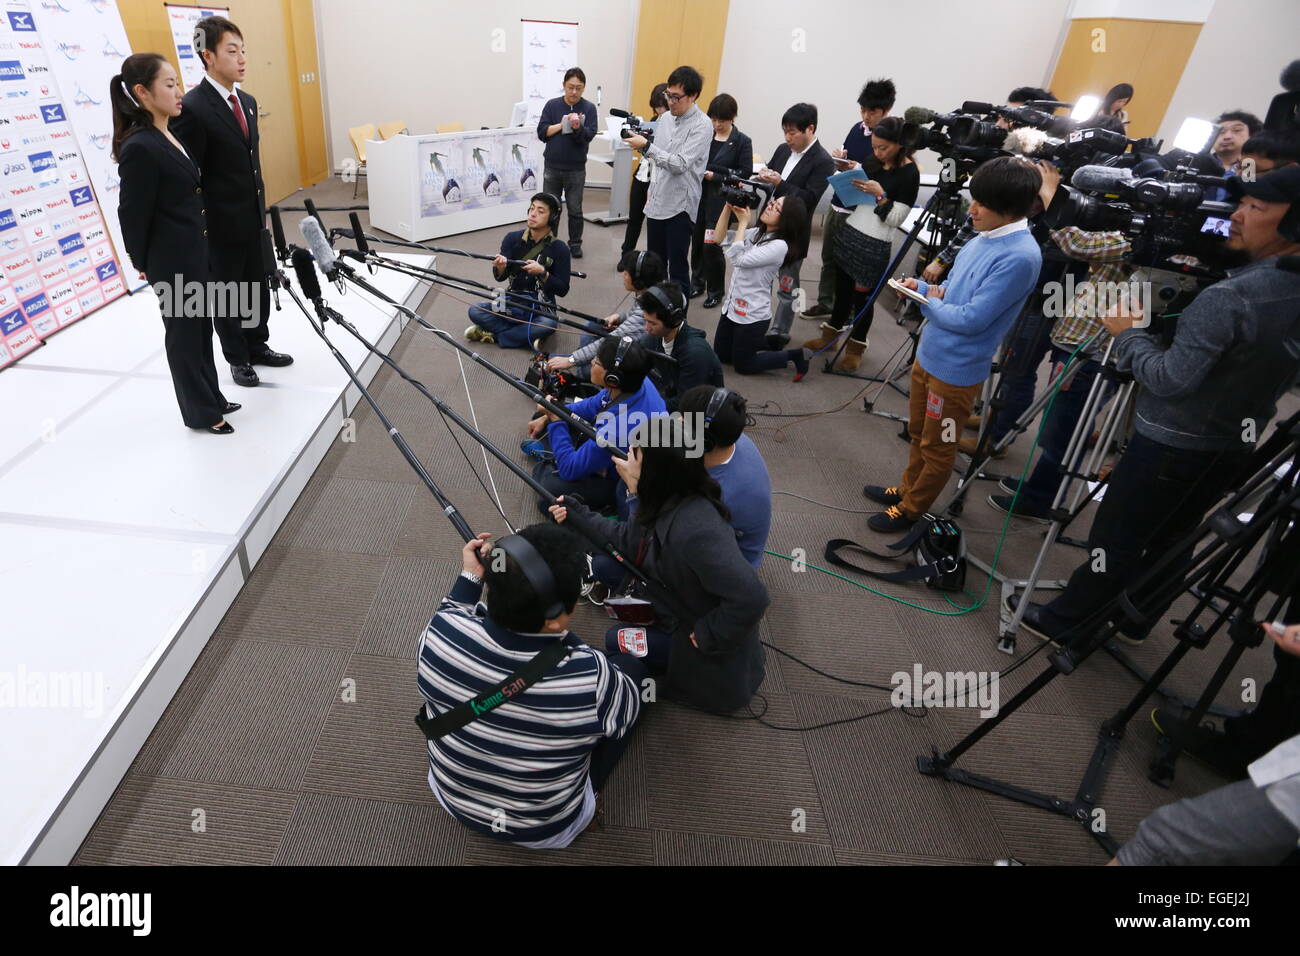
<point x="937" y="55"/>
<point x="1236" y="61"/>
<point x="427" y="62"/>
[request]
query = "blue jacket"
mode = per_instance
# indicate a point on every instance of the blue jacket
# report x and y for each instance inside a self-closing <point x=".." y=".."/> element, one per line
<point x="614" y="424"/>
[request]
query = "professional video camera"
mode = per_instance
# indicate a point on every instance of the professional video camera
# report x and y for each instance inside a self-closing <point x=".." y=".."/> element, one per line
<point x="745" y="193"/>
<point x="633" y="125"/>
<point x="560" y="386"/>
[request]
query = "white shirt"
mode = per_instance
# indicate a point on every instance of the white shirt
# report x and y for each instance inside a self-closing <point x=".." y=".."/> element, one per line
<point x="1017" y="226"/>
<point x="793" y="161"/>
<point x="225" y="93"/>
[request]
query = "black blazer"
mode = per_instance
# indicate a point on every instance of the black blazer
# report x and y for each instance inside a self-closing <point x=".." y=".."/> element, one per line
<point x="232" y="171"/>
<point x="162" y="209"/>
<point x="735" y="157"/>
<point x="808" y="179"/>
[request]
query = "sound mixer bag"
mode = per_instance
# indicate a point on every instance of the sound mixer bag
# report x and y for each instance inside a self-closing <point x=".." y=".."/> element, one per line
<point x="936" y="544"/>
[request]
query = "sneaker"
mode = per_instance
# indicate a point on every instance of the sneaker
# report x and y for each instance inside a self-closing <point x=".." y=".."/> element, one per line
<point x="476" y="334"/>
<point x="800" y="358"/>
<point x="1009" y="485"/>
<point x="886" y="496"/>
<point x="1032" y="622"/>
<point x="816" y="313"/>
<point x="1205" y="743"/>
<point x="575" y="252"/>
<point x="1023" y="508"/>
<point x="890" y="520"/>
<point x="595" y="592"/>
<point x="535" y="449"/>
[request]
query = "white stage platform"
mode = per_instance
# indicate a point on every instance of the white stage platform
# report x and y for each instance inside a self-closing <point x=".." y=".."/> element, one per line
<point x="125" y="537"/>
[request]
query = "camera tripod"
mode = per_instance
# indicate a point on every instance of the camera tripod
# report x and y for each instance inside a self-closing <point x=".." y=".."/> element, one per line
<point x="1207" y="559"/>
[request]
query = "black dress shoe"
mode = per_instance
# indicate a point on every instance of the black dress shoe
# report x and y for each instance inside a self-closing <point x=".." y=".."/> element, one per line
<point x="274" y="359"/>
<point x="232" y="407"/>
<point x="713" y="300"/>
<point x="695" y="291"/>
<point x="244" y="375"/>
<point x="575" y="252"/>
<point x="1032" y="621"/>
<point x="225" y="428"/>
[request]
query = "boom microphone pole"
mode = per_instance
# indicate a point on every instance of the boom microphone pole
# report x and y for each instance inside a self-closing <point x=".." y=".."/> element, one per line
<point x="355" y="231"/>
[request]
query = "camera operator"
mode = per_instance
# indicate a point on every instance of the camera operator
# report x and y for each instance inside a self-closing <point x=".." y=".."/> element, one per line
<point x="620" y="368"/>
<point x="668" y="333"/>
<point x="864" y="243"/>
<point x="731" y="153"/>
<point x="545" y="754"/>
<point x="543" y="276"/>
<point x="756" y="255"/>
<point x="1235" y="127"/>
<point x="680" y="152"/>
<point x="567" y="126"/>
<point x="874" y="103"/>
<point x="640" y="270"/>
<point x="966" y="319"/>
<point x="680" y="535"/>
<point x="800" y="166"/>
<point x="641" y="181"/>
<point x="1205" y="397"/>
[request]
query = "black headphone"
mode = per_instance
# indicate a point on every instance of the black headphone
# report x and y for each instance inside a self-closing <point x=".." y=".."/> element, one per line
<point x="612" y="376"/>
<point x="554" y="203"/>
<point x="716" y="401"/>
<point x="636" y="268"/>
<point x="537" y="571"/>
<point x="674" y="315"/>
<point x="1289" y="227"/>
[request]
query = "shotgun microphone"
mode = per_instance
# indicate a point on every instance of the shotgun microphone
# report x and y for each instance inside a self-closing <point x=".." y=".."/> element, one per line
<point x="270" y="267"/>
<point x="307" y="278"/>
<point x="277" y="230"/>
<point x="359" y="237"/>
<point x="321" y="251"/>
<point x="311" y="211"/>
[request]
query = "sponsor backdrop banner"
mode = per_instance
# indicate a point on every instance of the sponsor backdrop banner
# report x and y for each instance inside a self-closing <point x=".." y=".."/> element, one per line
<point x="550" y="48"/>
<point x="56" y="259"/>
<point x="181" y="20"/>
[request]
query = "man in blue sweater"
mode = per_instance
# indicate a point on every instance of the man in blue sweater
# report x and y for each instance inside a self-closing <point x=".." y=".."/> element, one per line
<point x="627" y="399"/>
<point x="567" y="126"/>
<point x="966" y="318"/>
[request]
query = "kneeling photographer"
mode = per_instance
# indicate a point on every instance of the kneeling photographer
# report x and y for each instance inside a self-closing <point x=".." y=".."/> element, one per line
<point x="1206" y="397"/>
<point x="680" y="537"/>
<point x="526" y="770"/>
<point x="627" y="396"/>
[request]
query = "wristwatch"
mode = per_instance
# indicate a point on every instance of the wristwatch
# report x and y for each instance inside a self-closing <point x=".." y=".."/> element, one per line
<point x="471" y="577"/>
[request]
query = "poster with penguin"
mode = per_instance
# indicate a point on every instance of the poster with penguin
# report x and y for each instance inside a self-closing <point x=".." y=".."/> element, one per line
<point x="442" y="168"/>
<point x="520" y="164"/>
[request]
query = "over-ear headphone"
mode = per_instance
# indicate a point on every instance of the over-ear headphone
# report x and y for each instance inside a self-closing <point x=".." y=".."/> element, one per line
<point x="553" y="202"/>
<point x="612" y="376"/>
<point x="537" y="571"/>
<point x="636" y="268"/>
<point x="1289" y="227"/>
<point x="716" y="401"/>
<point x="674" y="315"/>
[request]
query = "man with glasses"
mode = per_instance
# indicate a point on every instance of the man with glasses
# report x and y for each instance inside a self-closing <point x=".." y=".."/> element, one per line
<point x="680" y="153"/>
<point x="567" y="126"/>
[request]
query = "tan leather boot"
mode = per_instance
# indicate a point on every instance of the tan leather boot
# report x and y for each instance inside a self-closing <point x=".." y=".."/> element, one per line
<point x="824" y="338"/>
<point x="852" y="356"/>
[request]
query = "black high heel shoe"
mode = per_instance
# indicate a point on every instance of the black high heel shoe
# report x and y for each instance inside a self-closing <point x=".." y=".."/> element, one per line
<point x="232" y="407"/>
<point x="225" y="428"/>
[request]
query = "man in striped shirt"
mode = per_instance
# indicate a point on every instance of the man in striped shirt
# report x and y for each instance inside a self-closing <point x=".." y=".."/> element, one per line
<point x="528" y="770"/>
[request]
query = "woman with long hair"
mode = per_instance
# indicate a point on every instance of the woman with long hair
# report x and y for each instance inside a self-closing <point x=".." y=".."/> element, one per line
<point x="863" y="245"/>
<point x="161" y="211"/>
<point x="756" y="255"/>
<point x="1119" y="97"/>
<point x="678" y="532"/>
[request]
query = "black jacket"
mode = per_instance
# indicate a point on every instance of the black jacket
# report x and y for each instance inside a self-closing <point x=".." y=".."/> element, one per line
<point x="232" y="170"/>
<point x="693" y="552"/>
<point x="162" y="209"/>
<point x="734" y="157"/>
<point x="808" y="178"/>
<point x="695" y="363"/>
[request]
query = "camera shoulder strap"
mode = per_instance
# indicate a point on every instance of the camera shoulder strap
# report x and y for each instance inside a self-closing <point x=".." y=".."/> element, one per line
<point x="468" y="711"/>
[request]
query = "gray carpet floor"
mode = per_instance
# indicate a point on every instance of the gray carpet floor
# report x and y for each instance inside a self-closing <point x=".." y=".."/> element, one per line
<point x="289" y="767"/>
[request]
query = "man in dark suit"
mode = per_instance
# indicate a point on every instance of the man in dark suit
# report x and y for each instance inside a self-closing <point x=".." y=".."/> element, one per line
<point x="218" y="126"/>
<point x="800" y="165"/>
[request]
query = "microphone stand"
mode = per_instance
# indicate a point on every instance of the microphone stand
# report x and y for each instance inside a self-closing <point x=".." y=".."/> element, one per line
<point x="348" y="233"/>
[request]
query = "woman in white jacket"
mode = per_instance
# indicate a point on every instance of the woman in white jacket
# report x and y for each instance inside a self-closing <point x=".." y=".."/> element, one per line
<point x="756" y="255"/>
<point x="863" y="247"/>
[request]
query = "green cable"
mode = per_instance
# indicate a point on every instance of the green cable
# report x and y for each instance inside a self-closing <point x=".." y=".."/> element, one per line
<point x="1006" y="524"/>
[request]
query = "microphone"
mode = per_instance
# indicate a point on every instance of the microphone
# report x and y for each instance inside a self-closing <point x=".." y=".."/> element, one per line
<point x="277" y="227"/>
<point x="972" y="106"/>
<point x="311" y="211"/>
<point x="918" y="115"/>
<point x="307" y="279"/>
<point x="269" y="267"/>
<point x="1026" y="141"/>
<point x="1101" y="179"/>
<point x="320" y="249"/>
<point x="621" y="114"/>
<point x="359" y="237"/>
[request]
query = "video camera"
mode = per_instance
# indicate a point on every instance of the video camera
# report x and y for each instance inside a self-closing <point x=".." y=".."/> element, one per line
<point x="745" y="193"/>
<point x="561" y="386"/>
<point x="633" y="125"/>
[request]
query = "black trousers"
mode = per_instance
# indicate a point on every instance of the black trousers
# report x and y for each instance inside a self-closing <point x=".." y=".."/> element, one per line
<point x="671" y="239"/>
<point x="708" y="265"/>
<point x="741" y="346"/>
<point x="242" y="337"/>
<point x="188" y="341"/>
<point x="635" y="214"/>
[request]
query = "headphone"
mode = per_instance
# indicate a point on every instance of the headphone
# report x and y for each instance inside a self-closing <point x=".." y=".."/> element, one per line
<point x="537" y="571"/>
<point x="674" y="315"/>
<point x="636" y="267"/>
<point x="554" y="203"/>
<point x="611" y="374"/>
<point x="1289" y="227"/>
<point x="716" y="401"/>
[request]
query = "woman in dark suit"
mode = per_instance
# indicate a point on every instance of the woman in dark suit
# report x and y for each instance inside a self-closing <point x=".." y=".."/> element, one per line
<point x="163" y="225"/>
<point x="730" y="153"/>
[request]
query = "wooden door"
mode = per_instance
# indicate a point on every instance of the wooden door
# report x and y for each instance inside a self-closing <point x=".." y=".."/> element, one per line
<point x="270" y="80"/>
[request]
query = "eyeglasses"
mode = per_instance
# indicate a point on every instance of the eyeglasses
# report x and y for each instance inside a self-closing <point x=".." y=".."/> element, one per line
<point x="674" y="97"/>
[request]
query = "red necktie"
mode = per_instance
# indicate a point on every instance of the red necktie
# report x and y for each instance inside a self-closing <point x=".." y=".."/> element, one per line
<point x="239" y="114"/>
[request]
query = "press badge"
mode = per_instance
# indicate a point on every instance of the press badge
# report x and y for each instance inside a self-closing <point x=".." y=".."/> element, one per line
<point x="631" y="640"/>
